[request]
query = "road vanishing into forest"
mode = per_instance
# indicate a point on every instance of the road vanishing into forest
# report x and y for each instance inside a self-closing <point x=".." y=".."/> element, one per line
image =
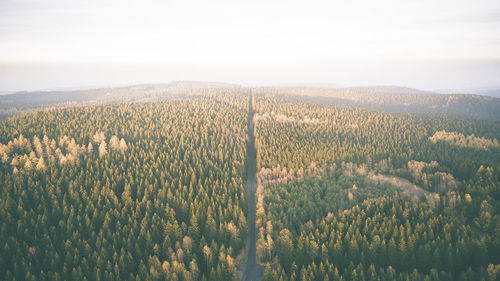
<point x="253" y="271"/>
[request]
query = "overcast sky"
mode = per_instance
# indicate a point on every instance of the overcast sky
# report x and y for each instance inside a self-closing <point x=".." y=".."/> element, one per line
<point x="429" y="44"/>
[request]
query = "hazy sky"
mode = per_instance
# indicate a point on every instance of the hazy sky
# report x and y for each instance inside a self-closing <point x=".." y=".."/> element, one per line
<point x="426" y="43"/>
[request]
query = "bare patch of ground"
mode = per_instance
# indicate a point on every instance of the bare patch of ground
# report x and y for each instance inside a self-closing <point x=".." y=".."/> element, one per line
<point x="408" y="189"/>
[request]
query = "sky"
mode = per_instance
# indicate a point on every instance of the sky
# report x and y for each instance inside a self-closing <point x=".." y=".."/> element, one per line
<point x="428" y="44"/>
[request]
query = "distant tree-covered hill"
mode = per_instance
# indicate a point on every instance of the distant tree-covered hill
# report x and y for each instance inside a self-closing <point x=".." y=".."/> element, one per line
<point x="401" y="100"/>
<point x="380" y="98"/>
<point x="15" y="103"/>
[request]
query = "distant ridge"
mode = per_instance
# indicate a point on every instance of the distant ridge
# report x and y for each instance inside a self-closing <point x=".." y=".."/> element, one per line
<point x="44" y="98"/>
<point x="380" y="98"/>
<point x="18" y="102"/>
<point x="310" y="85"/>
<point x="492" y="92"/>
<point x="186" y="84"/>
<point x="389" y="89"/>
<point x="397" y="99"/>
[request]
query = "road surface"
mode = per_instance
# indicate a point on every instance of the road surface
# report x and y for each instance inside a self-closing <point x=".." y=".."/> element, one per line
<point x="253" y="271"/>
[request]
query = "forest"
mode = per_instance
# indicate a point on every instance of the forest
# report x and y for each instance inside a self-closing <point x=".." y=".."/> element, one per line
<point x="324" y="213"/>
<point x="155" y="188"/>
<point x="169" y="203"/>
<point x="386" y="99"/>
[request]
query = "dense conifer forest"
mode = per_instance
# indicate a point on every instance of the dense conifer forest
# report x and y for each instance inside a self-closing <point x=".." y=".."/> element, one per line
<point x="170" y="205"/>
<point x="353" y="194"/>
<point x="157" y="190"/>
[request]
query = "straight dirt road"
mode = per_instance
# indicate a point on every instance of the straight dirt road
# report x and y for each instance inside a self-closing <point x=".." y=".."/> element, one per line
<point x="253" y="271"/>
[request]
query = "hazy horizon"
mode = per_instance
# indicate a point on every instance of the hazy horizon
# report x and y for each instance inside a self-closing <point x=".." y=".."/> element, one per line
<point x="427" y="45"/>
<point x="459" y="77"/>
